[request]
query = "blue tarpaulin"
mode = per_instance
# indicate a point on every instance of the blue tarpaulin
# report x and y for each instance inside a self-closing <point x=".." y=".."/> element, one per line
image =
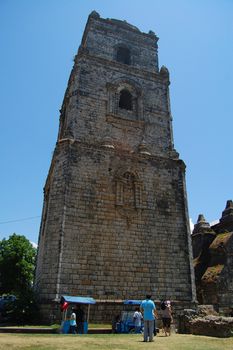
<point x="77" y="300"/>
<point x="132" y="302"/>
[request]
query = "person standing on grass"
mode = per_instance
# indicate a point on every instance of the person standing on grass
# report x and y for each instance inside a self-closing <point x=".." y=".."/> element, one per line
<point x="149" y="313"/>
<point x="166" y="315"/>
<point x="137" y="317"/>
<point x="73" y="323"/>
<point x="80" y="318"/>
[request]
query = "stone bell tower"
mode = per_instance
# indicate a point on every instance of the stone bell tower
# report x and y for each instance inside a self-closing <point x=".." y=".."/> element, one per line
<point x="115" y="220"/>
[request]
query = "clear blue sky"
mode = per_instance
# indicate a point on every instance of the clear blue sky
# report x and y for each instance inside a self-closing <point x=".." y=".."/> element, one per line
<point x="38" y="40"/>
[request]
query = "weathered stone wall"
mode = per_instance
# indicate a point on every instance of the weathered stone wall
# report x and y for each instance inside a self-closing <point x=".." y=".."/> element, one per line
<point x="118" y="248"/>
<point x="102" y="37"/>
<point x="115" y="221"/>
<point x="213" y="260"/>
<point x="94" y="86"/>
<point x="101" y="119"/>
<point x="212" y="326"/>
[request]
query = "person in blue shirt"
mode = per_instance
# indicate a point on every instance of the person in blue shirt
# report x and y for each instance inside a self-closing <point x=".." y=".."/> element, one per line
<point x="149" y="313"/>
<point x="73" y="323"/>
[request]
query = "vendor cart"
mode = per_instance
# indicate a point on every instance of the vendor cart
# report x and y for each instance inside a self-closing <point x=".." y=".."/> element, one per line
<point x="125" y="323"/>
<point x="66" y="304"/>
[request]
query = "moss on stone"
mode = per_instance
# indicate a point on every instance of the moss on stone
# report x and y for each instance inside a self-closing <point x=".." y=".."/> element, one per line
<point x="221" y="240"/>
<point x="212" y="274"/>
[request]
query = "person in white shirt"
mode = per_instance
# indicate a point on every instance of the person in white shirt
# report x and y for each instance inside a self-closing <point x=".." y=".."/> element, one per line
<point x="137" y="317"/>
<point x="73" y="323"/>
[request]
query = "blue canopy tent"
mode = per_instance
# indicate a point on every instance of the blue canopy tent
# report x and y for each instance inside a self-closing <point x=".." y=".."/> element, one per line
<point x="78" y="300"/>
<point x="67" y="300"/>
<point x="132" y="302"/>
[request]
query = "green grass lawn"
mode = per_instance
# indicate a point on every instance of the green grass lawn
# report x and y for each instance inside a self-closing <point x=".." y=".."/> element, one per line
<point x="57" y="326"/>
<point x="111" y="342"/>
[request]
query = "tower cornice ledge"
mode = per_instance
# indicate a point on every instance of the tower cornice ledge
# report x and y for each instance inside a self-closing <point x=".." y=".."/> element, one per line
<point x="98" y="146"/>
<point x="150" y="75"/>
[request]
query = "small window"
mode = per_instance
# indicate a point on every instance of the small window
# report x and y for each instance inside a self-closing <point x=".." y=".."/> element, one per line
<point x="125" y="101"/>
<point x="123" y="55"/>
<point x="129" y="177"/>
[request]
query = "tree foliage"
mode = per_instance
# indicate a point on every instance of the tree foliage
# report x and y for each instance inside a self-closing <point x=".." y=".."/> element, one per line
<point x="17" y="264"/>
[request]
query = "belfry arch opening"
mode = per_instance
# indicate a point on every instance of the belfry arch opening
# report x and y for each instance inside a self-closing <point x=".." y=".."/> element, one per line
<point x="125" y="100"/>
<point x="129" y="177"/>
<point x="123" y="55"/>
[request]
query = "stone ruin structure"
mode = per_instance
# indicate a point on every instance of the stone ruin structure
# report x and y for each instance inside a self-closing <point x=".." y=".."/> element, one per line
<point x="115" y="221"/>
<point x="205" y="321"/>
<point x="213" y="261"/>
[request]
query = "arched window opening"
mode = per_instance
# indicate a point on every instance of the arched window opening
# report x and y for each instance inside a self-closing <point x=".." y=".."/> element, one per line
<point x="129" y="176"/>
<point x="125" y="101"/>
<point x="123" y="55"/>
